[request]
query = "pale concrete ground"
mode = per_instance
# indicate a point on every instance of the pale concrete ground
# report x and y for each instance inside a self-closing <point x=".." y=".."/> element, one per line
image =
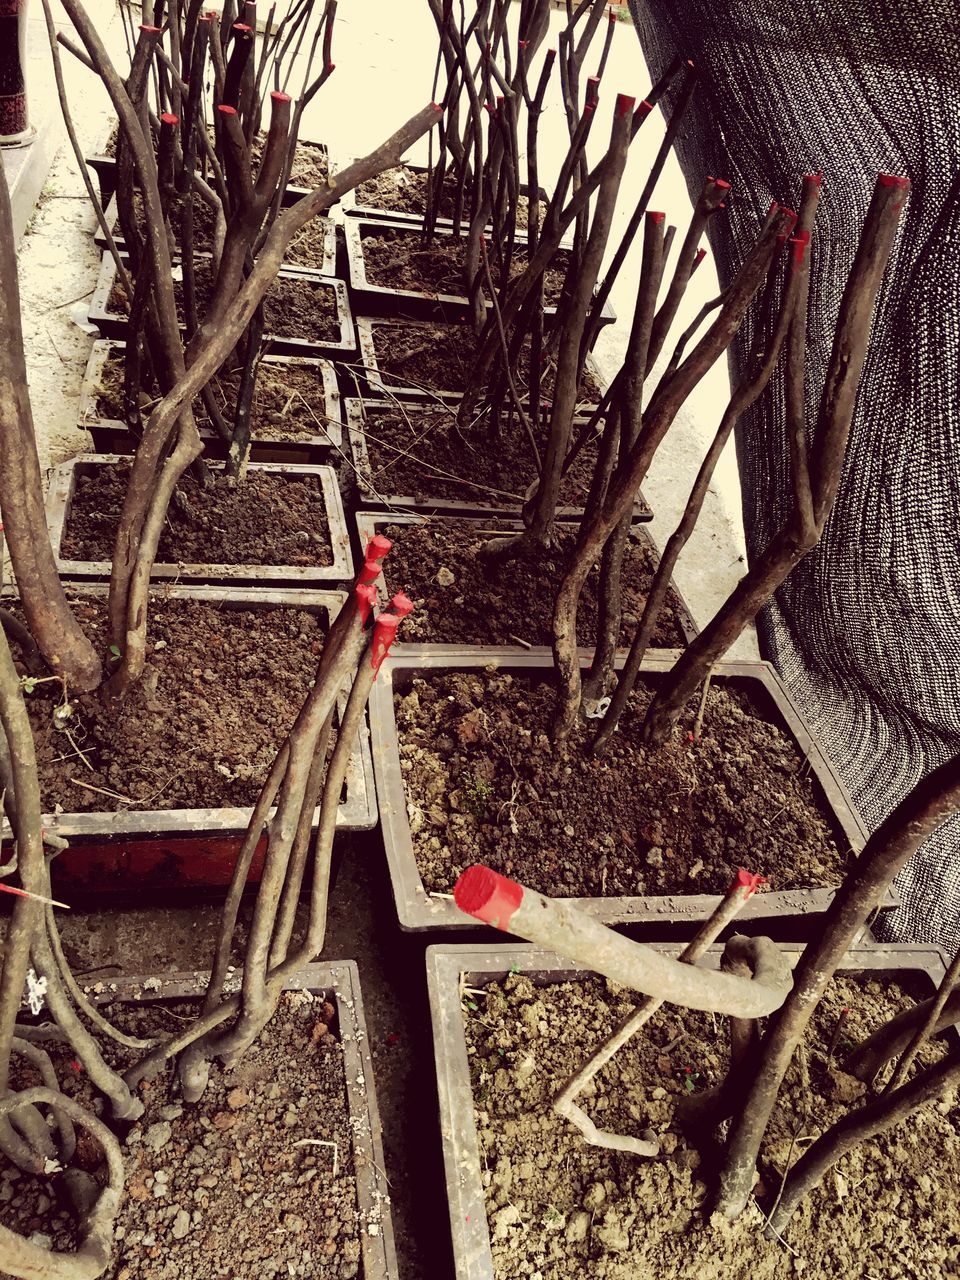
<point x="384" y="55"/>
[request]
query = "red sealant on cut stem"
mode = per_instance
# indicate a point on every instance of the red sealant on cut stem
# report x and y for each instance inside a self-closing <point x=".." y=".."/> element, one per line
<point x="657" y="218"/>
<point x="365" y="594"/>
<point x="701" y="254"/>
<point x="277" y="96"/>
<point x="369" y="573"/>
<point x="624" y="105"/>
<point x="148" y="30"/>
<point x="401" y="605"/>
<point x="749" y="880"/>
<point x="799" y="242"/>
<point x="892" y="180"/>
<point x="227" y="111"/>
<point x="170" y="119"/>
<point x="377" y="547"/>
<point x="488" y="896"/>
<point x="384" y="634"/>
<point x="816" y="179"/>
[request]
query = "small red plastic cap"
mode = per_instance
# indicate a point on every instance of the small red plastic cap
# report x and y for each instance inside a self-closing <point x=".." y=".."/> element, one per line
<point x="748" y="880"/>
<point x="625" y="104"/>
<point x="170" y="119"/>
<point x="227" y="111"/>
<point x="488" y="896"/>
<point x="384" y="634"/>
<point x="377" y="547"/>
<point x="401" y="605"/>
<point x="365" y="594"/>
<point x="280" y="97"/>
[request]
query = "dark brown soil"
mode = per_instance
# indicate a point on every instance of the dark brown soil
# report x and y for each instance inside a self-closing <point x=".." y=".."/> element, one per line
<point x="308" y="248"/>
<point x="201" y="729"/>
<point x="422" y="454"/>
<point x="310" y="161"/>
<point x="559" y="1207"/>
<point x="268" y="519"/>
<point x="440" y="357"/>
<point x="399" y="259"/>
<point x="405" y="190"/>
<point x="288" y="401"/>
<point x="222" y="1188"/>
<point x="461" y="600"/>
<point x="294" y="308"/>
<point x="485" y="783"/>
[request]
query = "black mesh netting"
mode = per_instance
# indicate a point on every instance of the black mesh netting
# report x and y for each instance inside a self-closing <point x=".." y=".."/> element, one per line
<point x="866" y="632"/>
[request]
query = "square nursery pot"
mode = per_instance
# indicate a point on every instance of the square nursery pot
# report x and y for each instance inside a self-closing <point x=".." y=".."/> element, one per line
<point x="384" y="300"/>
<point x="420" y="911"/>
<point x="354" y="204"/>
<point x="379" y="384"/>
<point x="325" y="264"/>
<point x="451" y="968"/>
<point x="60" y="497"/>
<point x="338" y="982"/>
<point x="179" y="848"/>
<point x="104" y="166"/>
<point x="357" y="415"/>
<point x="112" y="323"/>
<point x="370" y="523"/>
<point x="111" y="435"/>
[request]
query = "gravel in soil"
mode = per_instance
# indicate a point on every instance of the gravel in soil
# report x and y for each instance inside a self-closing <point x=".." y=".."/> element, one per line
<point x="422" y="454"/>
<point x="221" y="1189"/>
<point x="485" y="783"/>
<point x="440" y="357"/>
<point x="395" y="258"/>
<point x="201" y="729"/>
<point x="405" y="190"/>
<point x="268" y="519"/>
<point x="558" y="1207"/>
<point x="288" y="400"/>
<point x="306" y="309"/>
<point x="461" y="599"/>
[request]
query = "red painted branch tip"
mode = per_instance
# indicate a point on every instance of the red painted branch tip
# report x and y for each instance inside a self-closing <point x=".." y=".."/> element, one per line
<point x="488" y="896"/>
<point x="749" y="880"/>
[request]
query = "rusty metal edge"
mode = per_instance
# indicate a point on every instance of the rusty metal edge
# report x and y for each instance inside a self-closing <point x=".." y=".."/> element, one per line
<point x="112" y="325"/>
<point x="88" y="418"/>
<point x="353" y="419"/>
<point x="367" y="522"/>
<point x="466" y="1201"/>
<point x="419" y="911"/>
<point x="357" y="812"/>
<point x="341" y="978"/>
<point x="60" y="494"/>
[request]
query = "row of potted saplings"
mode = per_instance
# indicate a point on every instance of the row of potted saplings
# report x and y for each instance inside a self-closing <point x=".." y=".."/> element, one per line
<point x="515" y="759"/>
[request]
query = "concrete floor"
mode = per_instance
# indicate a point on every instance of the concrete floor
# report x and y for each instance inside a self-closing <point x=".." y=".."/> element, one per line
<point x="384" y="69"/>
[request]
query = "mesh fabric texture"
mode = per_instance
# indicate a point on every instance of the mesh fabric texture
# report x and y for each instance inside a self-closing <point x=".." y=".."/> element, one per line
<point x="866" y="631"/>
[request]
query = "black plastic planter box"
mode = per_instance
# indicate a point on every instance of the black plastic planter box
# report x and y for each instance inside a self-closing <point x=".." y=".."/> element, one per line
<point x="105" y="167"/>
<point x="336" y="981"/>
<point x="387" y="301"/>
<point x="355" y="416"/>
<point x="326" y="267"/>
<point x="450" y="968"/>
<point x="378" y="384"/>
<point x="60" y="493"/>
<point x="420" y="911"/>
<point x="352" y="206"/>
<point x="113" y="324"/>
<point x="115" y="847"/>
<point x="370" y="523"/>
<point x="111" y="435"/>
